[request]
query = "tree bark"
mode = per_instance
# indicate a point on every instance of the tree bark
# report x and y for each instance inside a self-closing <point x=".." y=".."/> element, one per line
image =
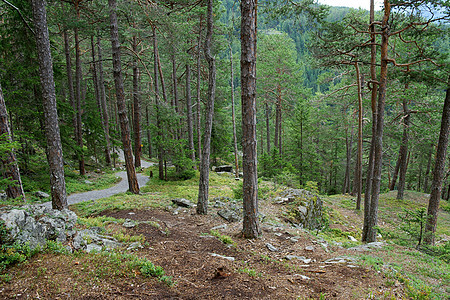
<point x="404" y="150"/>
<point x="157" y="101"/>
<point x="378" y="147"/>
<point x="358" y="168"/>
<point x="233" y="117"/>
<point x="78" y="96"/>
<point x="199" y="101"/>
<point x="427" y="172"/>
<point x="149" y="137"/>
<point x="120" y="96"/>
<point x="189" y="114"/>
<point x="137" y="109"/>
<point x="103" y="103"/>
<point x="251" y="227"/>
<point x="54" y="147"/>
<point x="9" y="161"/>
<point x="374" y="91"/>
<point x="268" y="128"/>
<point x="393" y="180"/>
<point x="95" y="75"/>
<point x="203" y="187"/>
<point x="70" y="81"/>
<point x="438" y="173"/>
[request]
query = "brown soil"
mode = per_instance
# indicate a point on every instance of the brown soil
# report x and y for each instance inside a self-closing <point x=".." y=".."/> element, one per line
<point x="183" y="247"/>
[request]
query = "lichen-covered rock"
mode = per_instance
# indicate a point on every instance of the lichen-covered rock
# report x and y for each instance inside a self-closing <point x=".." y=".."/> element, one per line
<point x="305" y="208"/>
<point x="35" y="224"/>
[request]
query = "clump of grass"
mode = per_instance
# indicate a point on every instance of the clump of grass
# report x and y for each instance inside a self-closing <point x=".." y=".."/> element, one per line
<point x="126" y="238"/>
<point x="99" y="221"/>
<point x="249" y="272"/>
<point x="145" y="266"/>
<point x="227" y="240"/>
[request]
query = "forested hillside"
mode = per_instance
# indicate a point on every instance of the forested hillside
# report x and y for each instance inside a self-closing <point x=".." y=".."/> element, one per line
<point x="333" y="100"/>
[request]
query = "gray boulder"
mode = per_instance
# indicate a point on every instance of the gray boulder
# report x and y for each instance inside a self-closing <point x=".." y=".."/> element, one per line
<point x="183" y="202"/>
<point x="35" y="224"/>
<point x="41" y="195"/>
<point x="225" y="168"/>
<point x="306" y="208"/>
<point x="229" y="214"/>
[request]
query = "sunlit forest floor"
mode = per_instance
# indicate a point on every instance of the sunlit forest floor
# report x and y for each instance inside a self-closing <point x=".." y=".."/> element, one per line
<point x="205" y="257"/>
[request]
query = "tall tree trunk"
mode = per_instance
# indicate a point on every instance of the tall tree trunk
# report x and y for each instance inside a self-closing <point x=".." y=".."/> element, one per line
<point x="189" y="113"/>
<point x="149" y="138"/>
<point x="54" y="147"/>
<point x="438" y="173"/>
<point x="78" y="96"/>
<point x="9" y="162"/>
<point x="251" y="228"/>
<point x="404" y="150"/>
<point x="378" y="153"/>
<point x="358" y="167"/>
<point x="121" y="107"/>
<point x="203" y="186"/>
<point x="427" y="172"/>
<point x="157" y="103"/>
<point x="95" y="76"/>
<point x="105" y="114"/>
<point x="268" y="128"/>
<point x="233" y="117"/>
<point x="374" y="92"/>
<point x="199" y="101"/>
<point x="348" y="153"/>
<point x="70" y="81"/>
<point x="277" y="118"/>
<point x="393" y="180"/>
<point x="137" y="109"/>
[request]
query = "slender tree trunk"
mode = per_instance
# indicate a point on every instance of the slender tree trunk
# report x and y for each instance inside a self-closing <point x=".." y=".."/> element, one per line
<point x="404" y="151"/>
<point x="438" y="173"/>
<point x="189" y="113"/>
<point x="378" y="153"/>
<point x="95" y="76"/>
<point x="157" y="103"/>
<point x="358" y="168"/>
<point x="277" y="118"/>
<point x="233" y="117"/>
<point x="268" y="128"/>
<point x="393" y="180"/>
<point x="70" y="81"/>
<point x="203" y="187"/>
<point x="121" y="107"/>
<point x="347" y="164"/>
<point x="149" y="138"/>
<point x="251" y="228"/>
<point x="9" y="162"/>
<point x="199" y="101"/>
<point x="374" y="92"/>
<point x="104" y="105"/>
<point x="54" y="147"/>
<point x="427" y="172"/>
<point x="137" y="109"/>
<point x="78" y="96"/>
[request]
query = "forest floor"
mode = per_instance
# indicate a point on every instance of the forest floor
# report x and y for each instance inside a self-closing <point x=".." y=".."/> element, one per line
<point x="208" y="263"/>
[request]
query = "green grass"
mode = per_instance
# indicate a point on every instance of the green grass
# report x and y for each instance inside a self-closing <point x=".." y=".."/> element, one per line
<point x="223" y="238"/>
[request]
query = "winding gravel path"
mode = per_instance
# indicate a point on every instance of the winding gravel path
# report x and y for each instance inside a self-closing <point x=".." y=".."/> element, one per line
<point x="121" y="187"/>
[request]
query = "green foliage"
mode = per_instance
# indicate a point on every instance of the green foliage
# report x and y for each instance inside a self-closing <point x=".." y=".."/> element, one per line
<point x="445" y="205"/>
<point x="99" y="221"/>
<point x="227" y="240"/>
<point x="413" y="223"/>
<point x="56" y="247"/>
<point x="312" y="187"/>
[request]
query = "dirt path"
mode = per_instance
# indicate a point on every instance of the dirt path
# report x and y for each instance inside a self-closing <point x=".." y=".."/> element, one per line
<point x="120" y="187"/>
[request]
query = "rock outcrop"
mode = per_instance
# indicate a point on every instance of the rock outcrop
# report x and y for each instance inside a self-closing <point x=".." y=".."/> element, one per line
<point x="305" y="208"/>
